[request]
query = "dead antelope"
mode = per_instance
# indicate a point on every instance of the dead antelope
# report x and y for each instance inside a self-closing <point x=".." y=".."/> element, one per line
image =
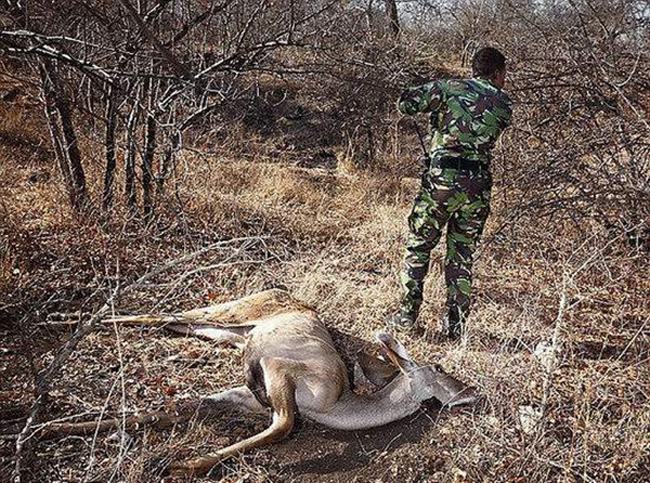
<point x="292" y="367"/>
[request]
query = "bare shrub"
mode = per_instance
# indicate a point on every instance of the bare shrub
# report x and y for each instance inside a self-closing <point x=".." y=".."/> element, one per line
<point x="270" y="127"/>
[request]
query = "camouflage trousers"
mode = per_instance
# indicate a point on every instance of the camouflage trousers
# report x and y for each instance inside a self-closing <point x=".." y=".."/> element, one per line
<point x="460" y="200"/>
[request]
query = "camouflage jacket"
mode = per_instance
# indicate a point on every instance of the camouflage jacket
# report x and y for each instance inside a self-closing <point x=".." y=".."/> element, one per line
<point x="467" y="116"/>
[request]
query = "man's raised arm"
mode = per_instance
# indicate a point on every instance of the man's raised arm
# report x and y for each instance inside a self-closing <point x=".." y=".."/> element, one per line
<point x="424" y="98"/>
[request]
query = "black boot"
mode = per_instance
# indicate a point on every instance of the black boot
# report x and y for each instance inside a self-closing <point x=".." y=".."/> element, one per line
<point x="401" y="321"/>
<point x="452" y="324"/>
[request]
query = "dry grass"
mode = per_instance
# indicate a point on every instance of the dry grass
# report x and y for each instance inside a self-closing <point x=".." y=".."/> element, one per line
<point x="335" y="240"/>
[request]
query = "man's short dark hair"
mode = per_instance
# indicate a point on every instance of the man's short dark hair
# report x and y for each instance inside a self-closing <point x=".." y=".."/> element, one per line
<point x="487" y="62"/>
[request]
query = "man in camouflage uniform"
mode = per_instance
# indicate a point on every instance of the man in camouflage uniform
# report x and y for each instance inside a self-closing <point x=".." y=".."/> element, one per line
<point x="467" y="117"/>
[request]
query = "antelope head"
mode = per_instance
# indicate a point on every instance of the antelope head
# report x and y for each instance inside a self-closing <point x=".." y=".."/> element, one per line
<point x="426" y="381"/>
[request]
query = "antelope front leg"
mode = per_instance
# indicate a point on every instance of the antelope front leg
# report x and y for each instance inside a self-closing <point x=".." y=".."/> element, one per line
<point x="280" y="389"/>
<point x="279" y="429"/>
<point x="240" y="398"/>
<point x="156" y="418"/>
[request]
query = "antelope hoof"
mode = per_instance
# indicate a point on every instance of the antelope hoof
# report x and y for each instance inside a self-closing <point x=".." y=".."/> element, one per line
<point x="195" y="467"/>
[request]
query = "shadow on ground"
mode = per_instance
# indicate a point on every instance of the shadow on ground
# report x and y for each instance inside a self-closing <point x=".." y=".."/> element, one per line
<point x="319" y="454"/>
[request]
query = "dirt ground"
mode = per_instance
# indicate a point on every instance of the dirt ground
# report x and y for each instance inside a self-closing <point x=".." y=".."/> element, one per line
<point x="334" y="239"/>
<point x="407" y="450"/>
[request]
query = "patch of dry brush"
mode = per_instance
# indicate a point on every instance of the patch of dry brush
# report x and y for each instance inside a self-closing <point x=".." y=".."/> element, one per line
<point x="302" y="178"/>
<point x="335" y="240"/>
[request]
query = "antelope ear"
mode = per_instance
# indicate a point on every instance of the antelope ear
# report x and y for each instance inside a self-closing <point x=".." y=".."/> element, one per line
<point x="396" y="352"/>
<point x="375" y="370"/>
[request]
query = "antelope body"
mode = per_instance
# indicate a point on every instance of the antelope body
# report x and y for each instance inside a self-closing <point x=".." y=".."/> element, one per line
<point x="292" y="367"/>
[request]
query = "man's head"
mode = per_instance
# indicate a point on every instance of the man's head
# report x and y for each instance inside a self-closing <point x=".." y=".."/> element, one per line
<point x="489" y="63"/>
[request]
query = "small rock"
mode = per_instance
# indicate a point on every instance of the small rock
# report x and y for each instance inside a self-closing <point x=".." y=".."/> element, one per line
<point x="458" y="475"/>
<point x="529" y="418"/>
<point x="547" y="355"/>
<point x="120" y="437"/>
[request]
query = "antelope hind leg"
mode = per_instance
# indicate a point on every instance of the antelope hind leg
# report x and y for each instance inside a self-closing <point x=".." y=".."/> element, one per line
<point x="243" y="312"/>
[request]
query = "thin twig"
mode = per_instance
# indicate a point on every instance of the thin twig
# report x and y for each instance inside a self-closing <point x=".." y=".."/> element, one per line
<point x="84" y="329"/>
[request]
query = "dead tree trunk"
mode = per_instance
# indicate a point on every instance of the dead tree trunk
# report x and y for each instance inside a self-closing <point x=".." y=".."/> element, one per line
<point x="150" y="92"/>
<point x="54" y="128"/>
<point x="109" y="144"/>
<point x="129" y="157"/>
<point x="168" y="161"/>
<point x="71" y="149"/>
<point x="393" y="17"/>
<point x="147" y="165"/>
<point x="63" y="136"/>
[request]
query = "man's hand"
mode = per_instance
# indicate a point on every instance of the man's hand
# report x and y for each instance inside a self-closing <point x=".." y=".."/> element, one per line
<point x="408" y="102"/>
